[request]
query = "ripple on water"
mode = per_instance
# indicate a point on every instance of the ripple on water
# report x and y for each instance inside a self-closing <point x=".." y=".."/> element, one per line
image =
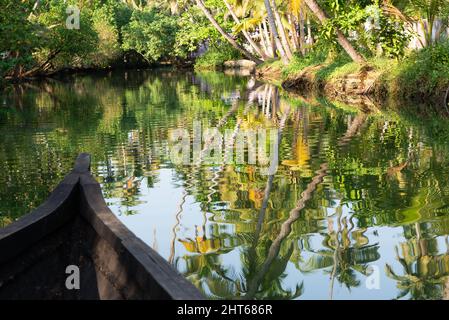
<point x="230" y="224"/>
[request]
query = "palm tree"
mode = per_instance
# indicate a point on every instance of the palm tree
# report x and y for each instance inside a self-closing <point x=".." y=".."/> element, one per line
<point x="427" y="13"/>
<point x="283" y="35"/>
<point x="344" y="257"/>
<point x="227" y="36"/>
<point x="342" y="40"/>
<point x="295" y="40"/>
<point x="248" y="37"/>
<point x="425" y="273"/>
<point x="295" y="15"/>
<point x="274" y="32"/>
<point x="253" y="17"/>
<point x="271" y="46"/>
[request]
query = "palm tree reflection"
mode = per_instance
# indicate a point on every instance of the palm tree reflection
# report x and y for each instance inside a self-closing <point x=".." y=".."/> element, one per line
<point x="425" y="270"/>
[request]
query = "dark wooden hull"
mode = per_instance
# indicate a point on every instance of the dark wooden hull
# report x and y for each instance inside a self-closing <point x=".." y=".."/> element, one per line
<point x="75" y="227"/>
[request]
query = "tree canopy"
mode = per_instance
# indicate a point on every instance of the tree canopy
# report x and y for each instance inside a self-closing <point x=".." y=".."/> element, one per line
<point x="37" y="39"/>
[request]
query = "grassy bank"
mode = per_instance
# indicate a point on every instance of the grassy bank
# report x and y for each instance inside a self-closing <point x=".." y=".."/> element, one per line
<point x="421" y="76"/>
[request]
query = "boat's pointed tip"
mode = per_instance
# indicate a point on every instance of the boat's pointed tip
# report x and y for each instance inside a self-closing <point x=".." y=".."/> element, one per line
<point x="82" y="163"/>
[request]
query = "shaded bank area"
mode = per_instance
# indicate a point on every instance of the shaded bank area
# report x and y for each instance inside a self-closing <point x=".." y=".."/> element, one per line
<point x="74" y="228"/>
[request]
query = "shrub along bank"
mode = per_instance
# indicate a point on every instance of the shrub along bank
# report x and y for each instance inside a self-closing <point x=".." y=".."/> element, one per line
<point x="420" y="76"/>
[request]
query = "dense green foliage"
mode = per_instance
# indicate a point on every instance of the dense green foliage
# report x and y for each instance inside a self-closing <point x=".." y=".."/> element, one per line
<point x="37" y="40"/>
<point x="194" y="30"/>
<point x="151" y="33"/>
<point x="58" y="43"/>
<point x="107" y="25"/>
<point x="420" y="76"/>
<point x="42" y="43"/>
<point x="16" y="34"/>
<point x="423" y="73"/>
<point x="377" y="32"/>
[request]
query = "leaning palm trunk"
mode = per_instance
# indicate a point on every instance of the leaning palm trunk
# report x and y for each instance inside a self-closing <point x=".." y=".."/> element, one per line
<point x="295" y="39"/>
<point x="228" y="38"/>
<point x="250" y="40"/>
<point x="283" y="35"/>
<point x="275" y="33"/>
<point x="342" y="40"/>
<point x="263" y="42"/>
<point x="270" y="44"/>
<point x="272" y="41"/>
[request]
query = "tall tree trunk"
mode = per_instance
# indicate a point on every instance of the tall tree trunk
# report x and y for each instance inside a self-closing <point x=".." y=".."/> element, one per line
<point x="253" y="44"/>
<point x="270" y="43"/>
<point x="295" y="39"/>
<point x="274" y="32"/>
<point x="309" y="32"/>
<point x="36" y="4"/>
<point x="245" y="5"/>
<point x="342" y="40"/>
<point x="281" y="29"/>
<point x="230" y="39"/>
<point x="302" y="34"/>
<point x="263" y="42"/>
<point x="283" y="35"/>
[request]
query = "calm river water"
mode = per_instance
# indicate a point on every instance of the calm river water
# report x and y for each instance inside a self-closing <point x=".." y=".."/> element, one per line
<point x="358" y="208"/>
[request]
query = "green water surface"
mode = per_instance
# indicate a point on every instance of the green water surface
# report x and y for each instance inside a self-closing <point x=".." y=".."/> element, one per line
<point x="375" y="227"/>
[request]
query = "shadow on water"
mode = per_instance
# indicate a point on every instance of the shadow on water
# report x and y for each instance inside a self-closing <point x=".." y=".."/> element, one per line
<point x="361" y="197"/>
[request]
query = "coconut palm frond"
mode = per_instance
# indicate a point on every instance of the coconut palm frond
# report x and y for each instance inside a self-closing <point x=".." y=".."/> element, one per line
<point x="317" y="262"/>
<point x="220" y="288"/>
<point x="295" y="7"/>
<point x="247" y="24"/>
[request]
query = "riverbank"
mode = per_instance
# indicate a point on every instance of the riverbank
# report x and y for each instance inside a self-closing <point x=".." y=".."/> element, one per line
<point x="94" y="70"/>
<point x="421" y="78"/>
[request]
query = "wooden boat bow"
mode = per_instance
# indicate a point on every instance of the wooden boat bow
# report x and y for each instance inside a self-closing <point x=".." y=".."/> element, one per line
<point x="75" y="227"/>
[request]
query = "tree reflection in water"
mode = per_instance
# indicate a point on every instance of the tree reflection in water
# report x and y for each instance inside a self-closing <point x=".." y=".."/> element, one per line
<point x="352" y="189"/>
<point x="425" y="269"/>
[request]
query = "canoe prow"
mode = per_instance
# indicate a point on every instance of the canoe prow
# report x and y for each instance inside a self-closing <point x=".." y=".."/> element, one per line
<point x="75" y="228"/>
